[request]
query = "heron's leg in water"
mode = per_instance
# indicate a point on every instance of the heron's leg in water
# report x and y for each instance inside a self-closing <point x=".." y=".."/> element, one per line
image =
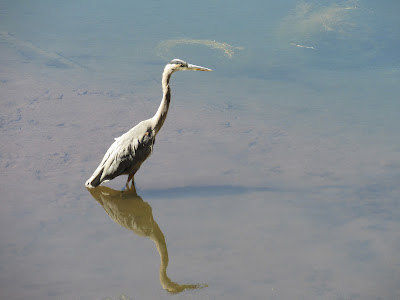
<point x="131" y="188"/>
<point x="130" y="177"/>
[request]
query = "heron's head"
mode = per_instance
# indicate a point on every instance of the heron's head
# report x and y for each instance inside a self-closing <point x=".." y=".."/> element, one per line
<point x="180" y="65"/>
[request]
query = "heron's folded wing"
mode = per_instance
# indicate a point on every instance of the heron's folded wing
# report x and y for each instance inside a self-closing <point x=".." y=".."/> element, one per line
<point x="126" y="152"/>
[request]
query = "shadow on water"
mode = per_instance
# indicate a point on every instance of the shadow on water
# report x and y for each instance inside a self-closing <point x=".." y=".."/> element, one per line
<point x="129" y="210"/>
<point x="205" y="191"/>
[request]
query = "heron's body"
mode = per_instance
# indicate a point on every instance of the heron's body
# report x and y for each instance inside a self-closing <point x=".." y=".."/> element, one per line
<point x="130" y="150"/>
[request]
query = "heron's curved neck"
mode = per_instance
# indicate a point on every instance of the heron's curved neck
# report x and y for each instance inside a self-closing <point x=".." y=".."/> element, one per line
<point x="159" y="117"/>
<point x="158" y="238"/>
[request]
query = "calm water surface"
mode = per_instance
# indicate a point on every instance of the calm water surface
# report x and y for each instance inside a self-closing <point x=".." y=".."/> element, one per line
<point x="274" y="177"/>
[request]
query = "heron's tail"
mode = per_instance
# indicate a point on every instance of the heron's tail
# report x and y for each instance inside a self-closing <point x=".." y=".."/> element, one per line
<point x="94" y="180"/>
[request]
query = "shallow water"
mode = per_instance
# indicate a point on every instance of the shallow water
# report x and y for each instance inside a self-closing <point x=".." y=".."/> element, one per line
<point x="274" y="177"/>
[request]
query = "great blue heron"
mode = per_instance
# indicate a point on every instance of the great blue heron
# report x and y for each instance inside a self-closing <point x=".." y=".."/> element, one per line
<point x="131" y="149"/>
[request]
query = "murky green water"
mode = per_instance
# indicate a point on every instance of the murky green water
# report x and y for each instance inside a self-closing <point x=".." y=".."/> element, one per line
<point x="274" y="177"/>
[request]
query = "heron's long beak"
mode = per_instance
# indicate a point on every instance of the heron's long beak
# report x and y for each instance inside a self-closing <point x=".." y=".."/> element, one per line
<point x="198" y="68"/>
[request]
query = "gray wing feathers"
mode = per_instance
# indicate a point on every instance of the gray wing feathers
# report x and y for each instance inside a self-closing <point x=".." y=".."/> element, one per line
<point x="121" y="158"/>
<point x="128" y="150"/>
<point x="99" y="174"/>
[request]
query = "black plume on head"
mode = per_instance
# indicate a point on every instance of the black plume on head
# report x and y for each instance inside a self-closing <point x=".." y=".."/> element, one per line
<point x="178" y="62"/>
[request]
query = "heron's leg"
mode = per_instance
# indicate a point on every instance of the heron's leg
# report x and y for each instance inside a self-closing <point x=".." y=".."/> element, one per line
<point x="133" y="188"/>
<point x="130" y="177"/>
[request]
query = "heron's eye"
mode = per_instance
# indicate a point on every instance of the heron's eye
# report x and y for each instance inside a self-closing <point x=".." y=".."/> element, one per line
<point x="182" y="65"/>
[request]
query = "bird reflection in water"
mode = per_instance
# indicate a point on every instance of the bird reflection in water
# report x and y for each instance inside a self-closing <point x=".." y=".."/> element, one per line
<point x="129" y="210"/>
